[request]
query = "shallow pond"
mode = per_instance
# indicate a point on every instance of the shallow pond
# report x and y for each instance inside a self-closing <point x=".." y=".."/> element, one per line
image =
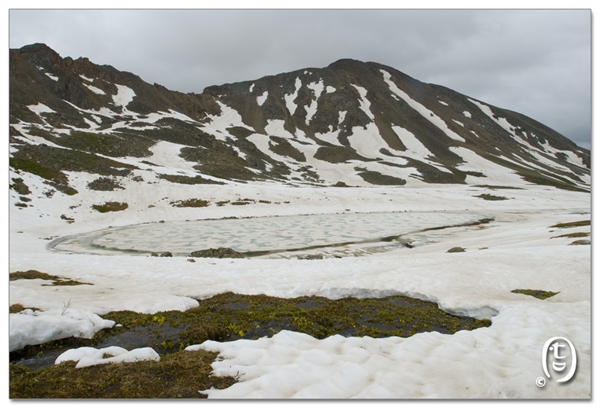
<point x="328" y="235"/>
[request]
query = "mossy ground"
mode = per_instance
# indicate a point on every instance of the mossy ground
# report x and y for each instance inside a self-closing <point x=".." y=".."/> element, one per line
<point x="490" y="197"/>
<point x="223" y="317"/>
<point x="583" y="223"/>
<point x="179" y="375"/>
<point x="33" y="274"/>
<point x="110" y="206"/>
<point x="192" y="202"/>
<point x="540" y="294"/>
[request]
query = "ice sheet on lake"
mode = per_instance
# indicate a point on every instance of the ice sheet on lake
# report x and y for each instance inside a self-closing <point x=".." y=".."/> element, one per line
<point x="341" y="234"/>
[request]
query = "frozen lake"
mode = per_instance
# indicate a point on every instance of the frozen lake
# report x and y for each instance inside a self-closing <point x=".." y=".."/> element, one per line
<point x="327" y="235"/>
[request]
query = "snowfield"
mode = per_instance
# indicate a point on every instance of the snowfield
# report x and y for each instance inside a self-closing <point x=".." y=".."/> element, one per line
<point x="518" y="250"/>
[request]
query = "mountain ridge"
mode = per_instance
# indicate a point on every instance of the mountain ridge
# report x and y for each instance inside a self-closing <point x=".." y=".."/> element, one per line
<point x="351" y="123"/>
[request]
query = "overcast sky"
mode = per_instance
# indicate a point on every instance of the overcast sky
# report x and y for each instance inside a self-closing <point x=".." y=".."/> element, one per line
<point x="536" y="62"/>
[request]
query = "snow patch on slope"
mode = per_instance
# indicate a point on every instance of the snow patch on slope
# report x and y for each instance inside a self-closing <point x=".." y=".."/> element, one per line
<point x="365" y="104"/>
<point x="40" y="108"/>
<point x="422" y="110"/>
<point x="262" y="98"/>
<point x="124" y="95"/>
<point x="290" y="98"/>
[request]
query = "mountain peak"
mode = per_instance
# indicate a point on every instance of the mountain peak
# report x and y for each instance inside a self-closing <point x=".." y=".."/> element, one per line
<point x="352" y="123"/>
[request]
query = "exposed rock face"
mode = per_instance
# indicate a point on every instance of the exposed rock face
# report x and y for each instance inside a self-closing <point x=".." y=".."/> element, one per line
<point x="351" y="123"/>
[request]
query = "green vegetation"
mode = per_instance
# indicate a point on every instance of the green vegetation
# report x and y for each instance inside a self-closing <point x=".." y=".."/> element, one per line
<point x="104" y="184"/>
<point x="540" y="294"/>
<point x="573" y="224"/>
<point x="377" y="178"/>
<point x="49" y="162"/>
<point x="581" y="242"/>
<point x="38" y="169"/>
<point x="192" y="202"/>
<point x="114" y="145"/>
<point x="574" y="235"/>
<point x="174" y="178"/>
<point x="491" y="187"/>
<point x="19" y="186"/>
<point x="536" y="176"/>
<point x="225" y="317"/>
<point x="33" y="274"/>
<point x="178" y="375"/>
<point x="491" y="197"/>
<point x="110" y="206"/>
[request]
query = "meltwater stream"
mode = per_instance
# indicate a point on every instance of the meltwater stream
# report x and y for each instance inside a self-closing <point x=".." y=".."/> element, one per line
<point x="328" y="235"/>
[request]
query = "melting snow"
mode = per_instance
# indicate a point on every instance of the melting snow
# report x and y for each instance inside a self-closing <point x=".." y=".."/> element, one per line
<point x="94" y="89"/>
<point x="426" y="113"/>
<point x="365" y="105"/>
<point x="124" y="95"/>
<point x="502" y="361"/>
<point x="52" y="77"/>
<point x="330" y="137"/>
<point x="218" y="125"/>
<point x="317" y="88"/>
<point x="262" y="98"/>
<point x="289" y="99"/>
<point x="40" y="108"/>
<point x="89" y="356"/>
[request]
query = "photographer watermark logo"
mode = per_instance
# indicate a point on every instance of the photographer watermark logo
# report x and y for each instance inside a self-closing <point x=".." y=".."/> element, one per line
<point x="559" y="358"/>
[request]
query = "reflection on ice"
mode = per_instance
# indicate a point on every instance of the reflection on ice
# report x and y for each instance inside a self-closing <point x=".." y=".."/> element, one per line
<point x="287" y="236"/>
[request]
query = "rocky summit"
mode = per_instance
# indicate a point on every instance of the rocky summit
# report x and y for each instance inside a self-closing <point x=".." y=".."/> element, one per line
<point x="351" y="124"/>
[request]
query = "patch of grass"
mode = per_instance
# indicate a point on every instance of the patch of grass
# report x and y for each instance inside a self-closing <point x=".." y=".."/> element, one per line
<point x="110" y="206"/>
<point x="492" y="187"/>
<point x="114" y="145"/>
<point x="174" y="178"/>
<point x="581" y="242"/>
<point x="104" y="184"/>
<point x="50" y="162"/>
<point x="33" y="274"/>
<point x="232" y="316"/>
<point x="192" y="202"/>
<point x="540" y="294"/>
<point x="243" y="201"/>
<point x="573" y="224"/>
<point x="33" y="167"/>
<point x="491" y="197"/>
<point x="456" y="249"/>
<point x="377" y="178"/>
<point x="179" y="375"/>
<point x="16" y="308"/>
<point x="20" y="187"/>
<point x="540" y="177"/>
<point x="574" y="235"/>
<point x="224" y="317"/>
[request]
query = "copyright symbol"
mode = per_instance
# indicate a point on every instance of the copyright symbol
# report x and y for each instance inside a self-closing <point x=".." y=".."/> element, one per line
<point x="540" y="382"/>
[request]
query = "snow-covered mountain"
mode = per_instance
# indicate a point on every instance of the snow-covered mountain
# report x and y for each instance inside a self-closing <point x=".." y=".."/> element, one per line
<point x="349" y="124"/>
<point x="446" y="199"/>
